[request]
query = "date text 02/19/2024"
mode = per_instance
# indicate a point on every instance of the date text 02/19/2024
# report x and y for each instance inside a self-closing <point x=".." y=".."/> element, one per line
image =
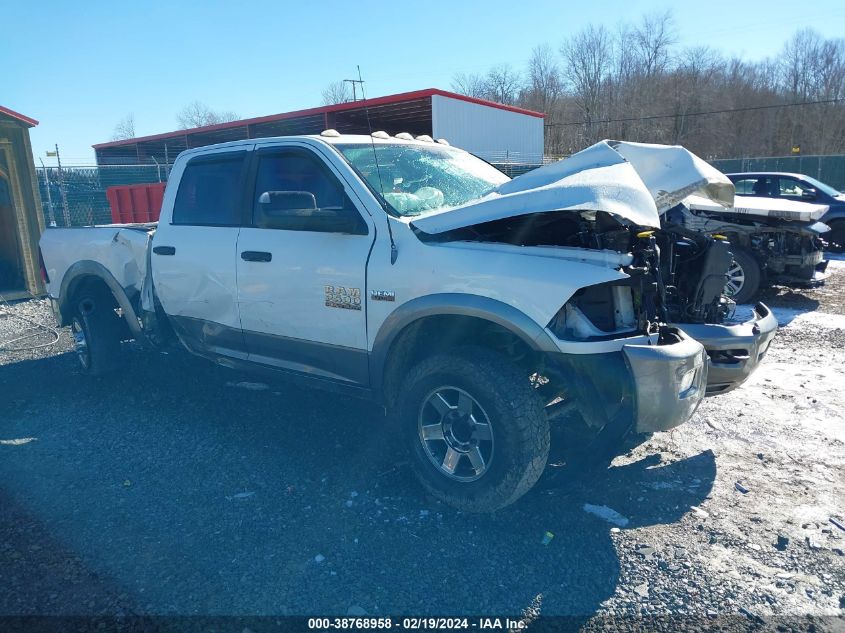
<point x="414" y="623"/>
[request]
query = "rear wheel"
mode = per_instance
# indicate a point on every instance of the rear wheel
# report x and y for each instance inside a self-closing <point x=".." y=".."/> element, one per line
<point x="836" y="237"/>
<point x="96" y="333"/>
<point x="476" y="429"/>
<point x="743" y="276"/>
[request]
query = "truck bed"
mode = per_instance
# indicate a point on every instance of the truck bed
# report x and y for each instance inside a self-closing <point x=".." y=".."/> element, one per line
<point x="121" y="248"/>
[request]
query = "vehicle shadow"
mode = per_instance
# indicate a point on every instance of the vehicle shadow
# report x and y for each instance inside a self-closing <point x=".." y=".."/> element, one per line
<point x="787" y="303"/>
<point x="196" y="496"/>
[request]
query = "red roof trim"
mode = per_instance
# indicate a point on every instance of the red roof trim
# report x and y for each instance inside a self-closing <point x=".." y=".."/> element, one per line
<point x="20" y="117"/>
<point x="339" y="107"/>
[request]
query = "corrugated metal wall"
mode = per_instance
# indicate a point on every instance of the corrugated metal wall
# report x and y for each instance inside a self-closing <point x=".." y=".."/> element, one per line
<point x="496" y="135"/>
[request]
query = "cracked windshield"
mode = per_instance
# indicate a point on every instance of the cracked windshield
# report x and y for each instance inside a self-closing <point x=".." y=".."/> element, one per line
<point x="417" y="180"/>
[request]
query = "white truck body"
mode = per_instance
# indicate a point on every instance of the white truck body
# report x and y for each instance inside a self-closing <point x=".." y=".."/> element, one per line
<point x="339" y="305"/>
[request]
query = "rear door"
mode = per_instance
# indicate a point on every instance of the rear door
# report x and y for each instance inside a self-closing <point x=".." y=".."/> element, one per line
<point x="302" y="266"/>
<point x="194" y="259"/>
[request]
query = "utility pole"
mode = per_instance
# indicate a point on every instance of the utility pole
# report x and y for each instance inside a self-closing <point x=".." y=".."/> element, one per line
<point x="51" y="214"/>
<point x="355" y="83"/>
<point x="65" y="210"/>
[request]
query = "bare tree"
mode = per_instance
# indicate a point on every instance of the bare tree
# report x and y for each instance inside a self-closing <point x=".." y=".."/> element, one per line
<point x="471" y="85"/>
<point x="125" y="128"/>
<point x="336" y="92"/>
<point x="502" y="84"/>
<point x="543" y="85"/>
<point x="587" y="64"/>
<point x="198" y="114"/>
<point x="653" y="40"/>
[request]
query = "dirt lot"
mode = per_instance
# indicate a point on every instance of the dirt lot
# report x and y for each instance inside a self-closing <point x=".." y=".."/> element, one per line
<point x="175" y="488"/>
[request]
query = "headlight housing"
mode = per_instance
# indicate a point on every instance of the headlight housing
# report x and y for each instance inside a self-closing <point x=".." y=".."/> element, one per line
<point x="602" y="311"/>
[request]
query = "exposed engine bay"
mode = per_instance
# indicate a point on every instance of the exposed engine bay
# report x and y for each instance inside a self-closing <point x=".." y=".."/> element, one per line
<point x="676" y="276"/>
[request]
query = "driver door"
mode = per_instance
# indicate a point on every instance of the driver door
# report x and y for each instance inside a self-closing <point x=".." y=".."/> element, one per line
<point x="301" y="283"/>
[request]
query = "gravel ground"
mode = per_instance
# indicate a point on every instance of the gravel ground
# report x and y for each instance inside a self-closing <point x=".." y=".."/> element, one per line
<point x="177" y="487"/>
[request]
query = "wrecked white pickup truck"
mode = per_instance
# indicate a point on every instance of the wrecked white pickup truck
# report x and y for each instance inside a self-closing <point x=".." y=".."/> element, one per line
<point x="478" y="309"/>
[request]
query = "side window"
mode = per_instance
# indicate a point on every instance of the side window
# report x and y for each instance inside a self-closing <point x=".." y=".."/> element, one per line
<point x="756" y="186"/>
<point x="791" y="188"/>
<point x="295" y="191"/>
<point x="745" y="187"/>
<point x="210" y="191"/>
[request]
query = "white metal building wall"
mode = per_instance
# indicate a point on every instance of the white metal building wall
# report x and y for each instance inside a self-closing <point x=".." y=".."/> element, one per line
<point x="492" y="133"/>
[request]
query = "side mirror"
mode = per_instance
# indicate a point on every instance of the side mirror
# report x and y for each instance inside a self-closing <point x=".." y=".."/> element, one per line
<point x="297" y="211"/>
<point x="809" y="194"/>
<point x="287" y="201"/>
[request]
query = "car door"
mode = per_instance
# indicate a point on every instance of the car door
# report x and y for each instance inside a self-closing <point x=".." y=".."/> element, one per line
<point x="302" y="267"/>
<point x="193" y="257"/>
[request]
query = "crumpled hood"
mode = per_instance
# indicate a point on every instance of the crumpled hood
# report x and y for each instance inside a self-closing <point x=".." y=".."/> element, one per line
<point x="634" y="181"/>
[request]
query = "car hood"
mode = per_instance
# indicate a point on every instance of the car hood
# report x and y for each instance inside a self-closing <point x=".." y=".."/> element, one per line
<point x="760" y="206"/>
<point x="634" y="181"/>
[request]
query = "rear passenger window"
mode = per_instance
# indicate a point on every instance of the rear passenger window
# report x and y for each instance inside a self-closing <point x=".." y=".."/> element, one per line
<point x="210" y="191"/>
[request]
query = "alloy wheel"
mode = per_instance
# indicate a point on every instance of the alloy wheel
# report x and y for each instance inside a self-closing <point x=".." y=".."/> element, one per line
<point x="456" y="434"/>
<point x="736" y="279"/>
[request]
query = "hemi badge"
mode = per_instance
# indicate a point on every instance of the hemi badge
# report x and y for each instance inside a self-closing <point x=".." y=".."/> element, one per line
<point x="382" y="295"/>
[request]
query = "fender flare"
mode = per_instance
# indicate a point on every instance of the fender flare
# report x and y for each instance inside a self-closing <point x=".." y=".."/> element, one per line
<point x="453" y="304"/>
<point x="89" y="268"/>
<point x="834" y="214"/>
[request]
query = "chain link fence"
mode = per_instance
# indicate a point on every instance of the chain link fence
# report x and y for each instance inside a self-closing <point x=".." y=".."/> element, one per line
<point x="828" y="169"/>
<point x="76" y="196"/>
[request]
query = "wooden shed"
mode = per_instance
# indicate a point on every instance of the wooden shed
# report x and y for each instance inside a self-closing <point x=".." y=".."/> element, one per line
<point x="21" y="220"/>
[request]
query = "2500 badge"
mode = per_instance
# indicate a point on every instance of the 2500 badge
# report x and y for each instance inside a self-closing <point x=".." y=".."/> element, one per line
<point x="343" y="297"/>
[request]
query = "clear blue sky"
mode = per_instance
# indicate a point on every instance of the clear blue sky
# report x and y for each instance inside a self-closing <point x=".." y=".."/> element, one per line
<point x="79" y="67"/>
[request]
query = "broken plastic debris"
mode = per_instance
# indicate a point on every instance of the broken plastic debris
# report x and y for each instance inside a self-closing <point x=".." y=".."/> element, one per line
<point x="319" y="558"/>
<point x="608" y="514"/>
<point x="838" y="524"/>
<point x="241" y="495"/>
<point x="700" y="513"/>
<point x="547" y="538"/>
<point x="18" y="441"/>
<point x="251" y="386"/>
<point x="127" y="483"/>
<point x="741" y="488"/>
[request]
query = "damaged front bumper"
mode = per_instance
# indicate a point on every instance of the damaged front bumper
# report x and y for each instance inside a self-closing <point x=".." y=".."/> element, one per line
<point x="669" y="381"/>
<point x="735" y="351"/>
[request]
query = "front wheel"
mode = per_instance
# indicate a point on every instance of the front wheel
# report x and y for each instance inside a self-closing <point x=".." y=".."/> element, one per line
<point x="743" y="276"/>
<point x="476" y="430"/>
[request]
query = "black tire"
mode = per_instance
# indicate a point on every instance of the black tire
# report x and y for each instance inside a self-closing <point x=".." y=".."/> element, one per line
<point x="96" y="332"/>
<point x="835" y="238"/>
<point x="751" y="276"/>
<point x="516" y="423"/>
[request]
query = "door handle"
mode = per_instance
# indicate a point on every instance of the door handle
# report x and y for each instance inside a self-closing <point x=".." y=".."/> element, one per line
<point x="164" y="250"/>
<point x="256" y="256"/>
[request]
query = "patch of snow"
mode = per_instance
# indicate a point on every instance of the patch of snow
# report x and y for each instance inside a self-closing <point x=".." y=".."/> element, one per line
<point x="250" y="386"/>
<point x="608" y="514"/>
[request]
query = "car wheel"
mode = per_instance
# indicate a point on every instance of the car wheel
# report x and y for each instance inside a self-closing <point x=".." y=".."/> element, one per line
<point x="836" y="237"/>
<point x="743" y="276"/>
<point x="96" y="334"/>
<point x="475" y="428"/>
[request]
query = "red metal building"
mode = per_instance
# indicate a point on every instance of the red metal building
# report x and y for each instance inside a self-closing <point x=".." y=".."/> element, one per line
<point x="494" y="131"/>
